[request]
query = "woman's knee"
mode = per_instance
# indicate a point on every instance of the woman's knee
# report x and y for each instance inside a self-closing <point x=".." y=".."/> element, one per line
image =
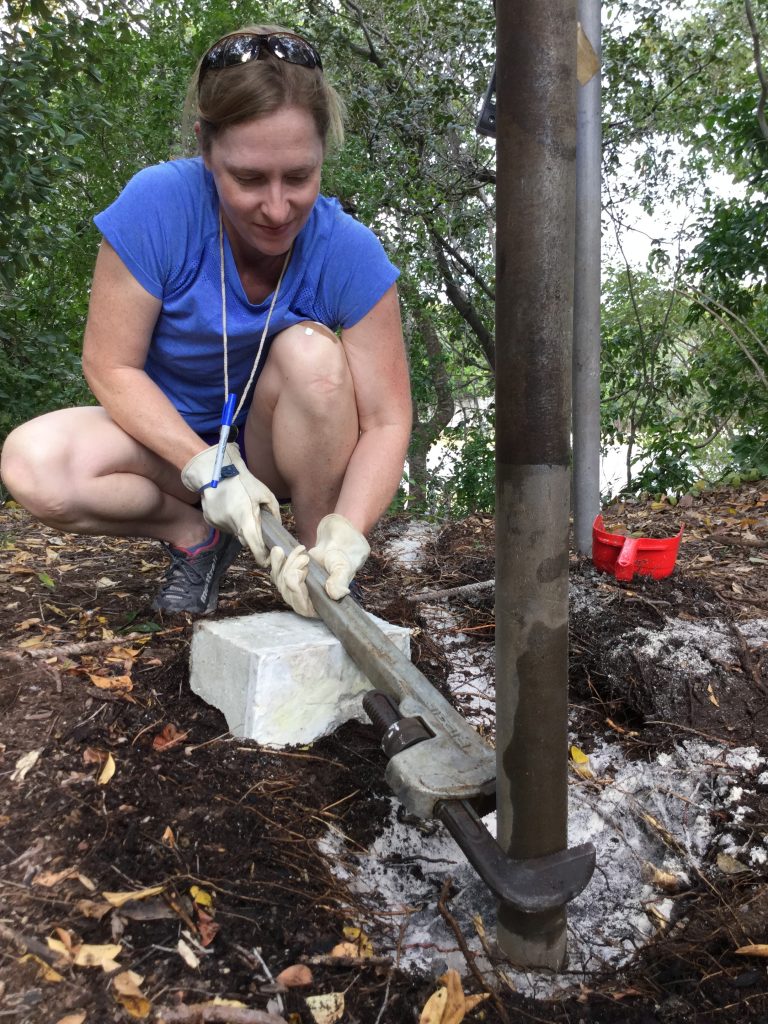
<point x="312" y="362"/>
<point x="33" y="467"/>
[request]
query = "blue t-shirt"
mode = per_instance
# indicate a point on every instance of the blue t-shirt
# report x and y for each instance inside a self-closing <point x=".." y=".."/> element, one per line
<point x="164" y="226"/>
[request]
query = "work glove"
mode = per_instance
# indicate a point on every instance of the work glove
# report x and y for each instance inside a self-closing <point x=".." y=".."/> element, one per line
<point x="340" y="549"/>
<point x="235" y="505"/>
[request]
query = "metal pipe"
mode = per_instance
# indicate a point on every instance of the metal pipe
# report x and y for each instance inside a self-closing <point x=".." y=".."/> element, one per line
<point x="536" y="143"/>
<point x="586" y="296"/>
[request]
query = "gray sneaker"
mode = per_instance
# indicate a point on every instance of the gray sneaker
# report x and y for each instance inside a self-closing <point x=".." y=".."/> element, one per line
<point x="192" y="584"/>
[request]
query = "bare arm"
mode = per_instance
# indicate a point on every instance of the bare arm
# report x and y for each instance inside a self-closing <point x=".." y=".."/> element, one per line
<point x="121" y="318"/>
<point x="376" y="356"/>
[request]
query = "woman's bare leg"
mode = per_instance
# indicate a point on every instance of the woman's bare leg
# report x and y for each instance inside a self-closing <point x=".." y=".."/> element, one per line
<point x="303" y="427"/>
<point x="76" y="470"/>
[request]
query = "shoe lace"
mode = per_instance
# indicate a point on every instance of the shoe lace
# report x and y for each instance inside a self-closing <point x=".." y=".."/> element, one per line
<point x="183" y="573"/>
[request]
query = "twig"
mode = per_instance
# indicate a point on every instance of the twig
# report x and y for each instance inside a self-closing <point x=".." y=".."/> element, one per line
<point x="81" y="648"/>
<point x="208" y="1013"/>
<point x="329" y="960"/>
<point x="453" y="924"/>
<point x="741" y="542"/>
<point x="443" y="595"/>
<point x="386" y="999"/>
<point x="26" y="944"/>
<point x="747" y="659"/>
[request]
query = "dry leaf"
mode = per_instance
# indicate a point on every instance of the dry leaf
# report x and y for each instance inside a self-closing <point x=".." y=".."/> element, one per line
<point x="92" y="755"/>
<point x="326" y="1009"/>
<point x="454" y="1009"/>
<point x="167" y="838"/>
<point x="200" y="896"/>
<point x="580" y="762"/>
<point x="295" y="976"/>
<point x="51" y="878"/>
<point x="587" y="61"/>
<point x="130" y="996"/>
<point x="47" y="973"/>
<point x="712" y="698"/>
<point x="24" y="765"/>
<point x="107" y="771"/>
<point x="92" y="909"/>
<point x="434" y="1007"/>
<point x="760" y="949"/>
<point x="117" y="899"/>
<point x="346" y="949"/>
<point x="364" y="946"/>
<point x="729" y="865"/>
<point x="73" y="1018"/>
<point x="207" y="927"/>
<point x="186" y="954"/>
<point x="98" y="956"/>
<point x="121" y="683"/>
<point x="667" y="881"/>
<point x="168" y="737"/>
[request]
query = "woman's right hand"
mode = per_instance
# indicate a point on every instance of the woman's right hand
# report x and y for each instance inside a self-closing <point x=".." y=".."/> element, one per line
<point x="235" y="503"/>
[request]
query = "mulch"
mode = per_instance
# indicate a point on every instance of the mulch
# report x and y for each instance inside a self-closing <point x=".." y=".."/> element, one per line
<point x="115" y="778"/>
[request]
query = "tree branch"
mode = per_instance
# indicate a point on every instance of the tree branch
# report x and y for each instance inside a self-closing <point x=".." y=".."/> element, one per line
<point x="761" y="77"/>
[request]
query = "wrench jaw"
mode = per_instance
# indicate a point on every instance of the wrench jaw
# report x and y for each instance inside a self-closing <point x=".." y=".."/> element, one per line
<point x="531" y="886"/>
<point x="433" y="778"/>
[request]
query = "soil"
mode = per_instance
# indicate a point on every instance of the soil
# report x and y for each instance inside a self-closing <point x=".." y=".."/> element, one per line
<point x="114" y="777"/>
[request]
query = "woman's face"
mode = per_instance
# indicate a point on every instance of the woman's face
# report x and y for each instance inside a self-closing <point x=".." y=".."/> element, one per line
<point x="267" y="174"/>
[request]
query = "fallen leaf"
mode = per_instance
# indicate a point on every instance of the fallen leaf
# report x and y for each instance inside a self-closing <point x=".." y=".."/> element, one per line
<point x="98" y="956"/>
<point x="186" y="954"/>
<point x="200" y="896"/>
<point x="130" y="996"/>
<point x="117" y="899"/>
<point x="167" y="838"/>
<point x="47" y="973"/>
<point x="46" y="580"/>
<point x="346" y="949"/>
<point x="86" y="882"/>
<point x="168" y="737"/>
<point x="432" y="1012"/>
<point x="729" y="865"/>
<point x="326" y="1009"/>
<point x="759" y="949"/>
<point x="104" y="582"/>
<point x="123" y="683"/>
<point x="207" y="927"/>
<point x="25" y="765"/>
<point x="51" y="878"/>
<point x="91" y="755"/>
<point x="712" y="698"/>
<point x="667" y="881"/>
<point x="580" y="762"/>
<point x="73" y="1018"/>
<point x="107" y="771"/>
<point x="92" y="909"/>
<point x="295" y="976"/>
<point x="360" y="939"/>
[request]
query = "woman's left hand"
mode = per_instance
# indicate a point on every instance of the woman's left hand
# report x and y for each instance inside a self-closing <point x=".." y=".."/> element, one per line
<point x="341" y="550"/>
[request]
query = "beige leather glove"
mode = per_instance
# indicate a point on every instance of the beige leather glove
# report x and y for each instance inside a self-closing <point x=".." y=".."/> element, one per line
<point x="340" y="550"/>
<point x="289" y="574"/>
<point x="235" y="504"/>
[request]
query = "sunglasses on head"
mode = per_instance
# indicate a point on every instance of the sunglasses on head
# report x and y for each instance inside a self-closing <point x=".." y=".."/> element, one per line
<point x="232" y="51"/>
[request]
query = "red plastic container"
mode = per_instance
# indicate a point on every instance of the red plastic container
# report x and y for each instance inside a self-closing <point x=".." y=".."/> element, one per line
<point x="622" y="557"/>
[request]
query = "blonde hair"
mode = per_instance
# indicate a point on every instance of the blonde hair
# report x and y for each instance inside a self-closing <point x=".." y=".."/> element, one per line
<point x="258" y="88"/>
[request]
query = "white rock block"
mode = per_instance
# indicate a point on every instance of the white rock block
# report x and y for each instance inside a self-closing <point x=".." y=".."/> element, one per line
<point x="278" y="678"/>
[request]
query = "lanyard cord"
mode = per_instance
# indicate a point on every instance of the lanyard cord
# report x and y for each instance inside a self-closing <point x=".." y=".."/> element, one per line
<point x="224" y="320"/>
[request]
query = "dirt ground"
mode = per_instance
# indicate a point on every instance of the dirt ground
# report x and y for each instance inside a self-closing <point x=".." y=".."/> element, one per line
<point x="115" y="778"/>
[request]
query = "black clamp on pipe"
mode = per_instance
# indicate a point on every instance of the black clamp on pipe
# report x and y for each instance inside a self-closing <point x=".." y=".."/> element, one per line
<point x="531" y="886"/>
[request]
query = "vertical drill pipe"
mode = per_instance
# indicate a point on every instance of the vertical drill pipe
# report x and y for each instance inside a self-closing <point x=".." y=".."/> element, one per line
<point x="536" y="147"/>
<point x="586" y="297"/>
